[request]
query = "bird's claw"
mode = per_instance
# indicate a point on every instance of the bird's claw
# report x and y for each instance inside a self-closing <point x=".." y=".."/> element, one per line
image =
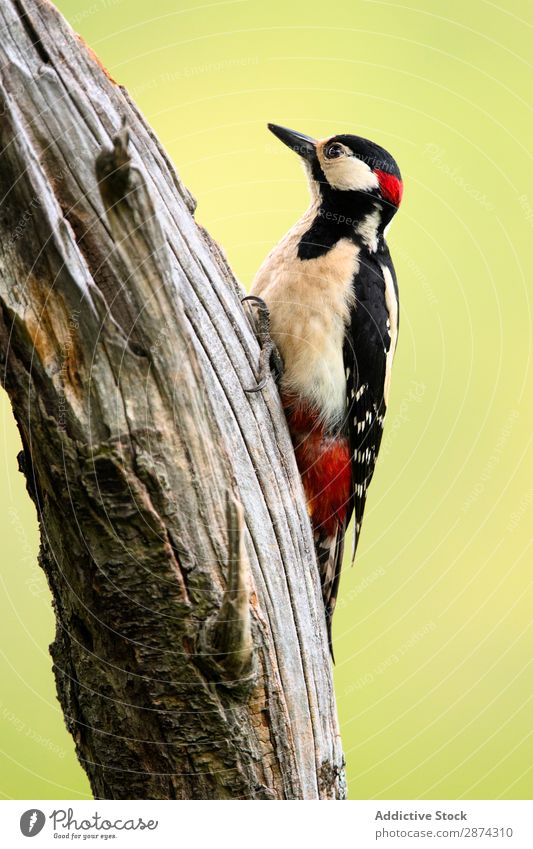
<point x="269" y="356"/>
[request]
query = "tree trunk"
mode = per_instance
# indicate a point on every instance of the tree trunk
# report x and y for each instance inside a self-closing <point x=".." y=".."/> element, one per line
<point x="190" y="654"/>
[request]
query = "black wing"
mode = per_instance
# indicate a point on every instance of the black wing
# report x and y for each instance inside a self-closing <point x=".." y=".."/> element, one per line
<point x="366" y="344"/>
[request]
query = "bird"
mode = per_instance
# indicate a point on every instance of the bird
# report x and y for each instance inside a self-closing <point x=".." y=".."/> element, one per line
<point x="330" y="296"/>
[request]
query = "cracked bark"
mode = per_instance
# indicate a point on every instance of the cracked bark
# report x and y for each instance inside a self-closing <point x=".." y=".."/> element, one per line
<point x="190" y="655"/>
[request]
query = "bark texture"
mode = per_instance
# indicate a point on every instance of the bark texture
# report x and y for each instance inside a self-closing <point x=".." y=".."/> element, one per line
<point x="190" y="656"/>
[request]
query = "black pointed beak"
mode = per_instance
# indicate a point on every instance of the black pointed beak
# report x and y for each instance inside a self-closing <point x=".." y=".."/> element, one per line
<point x="304" y="145"/>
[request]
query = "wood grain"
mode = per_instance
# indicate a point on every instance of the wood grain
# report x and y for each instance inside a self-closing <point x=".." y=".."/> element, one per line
<point x="125" y="351"/>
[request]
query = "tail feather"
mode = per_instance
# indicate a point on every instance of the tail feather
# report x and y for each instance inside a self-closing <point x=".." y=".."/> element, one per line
<point x="329" y="551"/>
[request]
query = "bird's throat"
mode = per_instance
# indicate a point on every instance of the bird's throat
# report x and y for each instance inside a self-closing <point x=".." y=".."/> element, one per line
<point x="343" y="215"/>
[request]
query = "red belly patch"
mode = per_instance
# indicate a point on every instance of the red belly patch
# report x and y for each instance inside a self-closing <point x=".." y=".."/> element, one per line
<point x="325" y="467"/>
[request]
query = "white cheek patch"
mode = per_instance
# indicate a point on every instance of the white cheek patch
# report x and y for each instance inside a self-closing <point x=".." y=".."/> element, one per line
<point x="348" y="173"/>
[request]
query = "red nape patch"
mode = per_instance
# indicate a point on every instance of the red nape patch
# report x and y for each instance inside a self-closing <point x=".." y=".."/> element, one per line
<point x="391" y="187"/>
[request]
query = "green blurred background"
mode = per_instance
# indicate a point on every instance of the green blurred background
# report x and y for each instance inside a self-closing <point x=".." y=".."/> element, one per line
<point x="432" y="634"/>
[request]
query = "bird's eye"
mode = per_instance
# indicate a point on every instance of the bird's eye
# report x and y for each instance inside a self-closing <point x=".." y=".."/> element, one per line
<point x="334" y="150"/>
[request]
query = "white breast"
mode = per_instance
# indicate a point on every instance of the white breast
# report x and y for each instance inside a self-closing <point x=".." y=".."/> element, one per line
<point x="310" y="302"/>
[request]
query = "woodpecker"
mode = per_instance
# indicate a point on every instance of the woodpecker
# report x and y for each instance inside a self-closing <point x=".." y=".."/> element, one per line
<point x="332" y="299"/>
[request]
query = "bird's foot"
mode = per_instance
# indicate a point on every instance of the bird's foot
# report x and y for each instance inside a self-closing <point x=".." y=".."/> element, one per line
<point x="269" y="358"/>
